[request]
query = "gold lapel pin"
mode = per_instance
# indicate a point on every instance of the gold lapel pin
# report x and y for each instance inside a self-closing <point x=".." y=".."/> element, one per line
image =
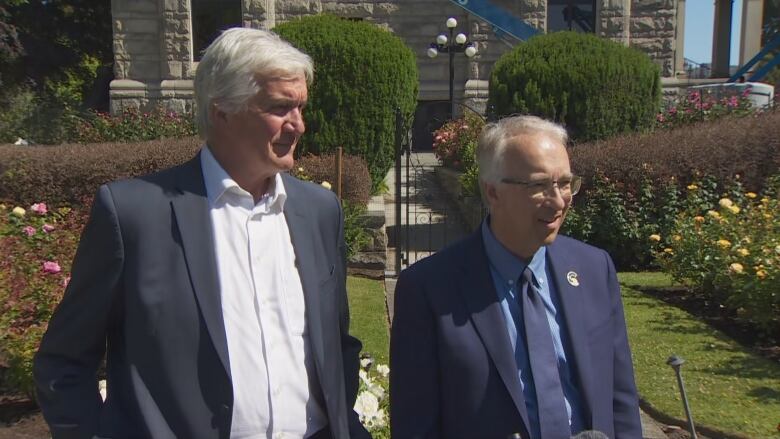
<point x="572" y="278"/>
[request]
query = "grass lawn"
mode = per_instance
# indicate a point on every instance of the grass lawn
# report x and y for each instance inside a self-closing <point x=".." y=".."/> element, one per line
<point x="368" y="314"/>
<point x="729" y="388"/>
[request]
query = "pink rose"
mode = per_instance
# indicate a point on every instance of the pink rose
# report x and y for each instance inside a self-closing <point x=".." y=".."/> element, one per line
<point x="39" y="208"/>
<point x="47" y="228"/>
<point x="51" y="267"/>
<point x="29" y="231"/>
<point x="66" y="281"/>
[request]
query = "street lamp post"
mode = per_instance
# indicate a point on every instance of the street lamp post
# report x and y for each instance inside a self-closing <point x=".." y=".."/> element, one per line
<point x="451" y="45"/>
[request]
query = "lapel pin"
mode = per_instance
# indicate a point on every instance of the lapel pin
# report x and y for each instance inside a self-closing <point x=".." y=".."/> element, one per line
<point x="572" y="278"/>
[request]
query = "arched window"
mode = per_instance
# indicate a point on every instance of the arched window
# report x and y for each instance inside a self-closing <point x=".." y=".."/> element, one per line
<point x="209" y="18"/>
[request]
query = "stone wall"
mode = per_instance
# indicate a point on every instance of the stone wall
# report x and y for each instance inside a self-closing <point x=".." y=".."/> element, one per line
<point x="154" y="60"/>
<point x="653" y="31"/>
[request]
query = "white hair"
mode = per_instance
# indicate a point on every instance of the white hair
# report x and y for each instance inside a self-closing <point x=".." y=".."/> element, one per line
<point x="494" y="138"/>
<point x="234" y="66"/>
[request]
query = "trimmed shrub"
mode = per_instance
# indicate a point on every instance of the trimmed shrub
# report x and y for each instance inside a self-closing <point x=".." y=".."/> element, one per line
<point x="66" y="175"/>
<point x="363" y="73"/>
<point x="595" y="87"/>
<point x="637" y="185"/>
<point x="356" y="182"/>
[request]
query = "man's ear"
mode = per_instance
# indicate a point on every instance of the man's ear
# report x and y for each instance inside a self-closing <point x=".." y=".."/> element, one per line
<point x="216" y="115"/>
<point x="489" y="192"/>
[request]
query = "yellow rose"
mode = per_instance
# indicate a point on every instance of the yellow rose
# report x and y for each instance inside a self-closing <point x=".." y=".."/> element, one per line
<point x="751" y="195"/>
<point x="765" y="200"/>
<point x="743" y="252"/>
<point x="18" y="211"/>
<point x="326" y="185"/>
<point x="669" y="251"/>
<point x="734" y="209"/>
<point x="767" y="216"/>
<point x="655" y="237"/>
<point x="678" y="237"/>
<point x="2" y="207"/>
<point x="725" y="203"/>
<point x="713" y="214"/>
<point x="692" y="187"/>
<point x="777" y="249"/>
<point x="699" y="219"/>
<point x="760" y="274"/>
<point x="724" y="243"/>
<point x="736" y="268"/>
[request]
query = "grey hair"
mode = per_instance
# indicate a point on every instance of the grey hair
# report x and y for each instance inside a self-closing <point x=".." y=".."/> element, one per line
<point x="234" y="66"/>
<point x="494" y="138"/>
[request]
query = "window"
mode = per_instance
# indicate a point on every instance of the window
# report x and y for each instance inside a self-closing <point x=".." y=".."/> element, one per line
<point x="209" y="18"/>
<point x="574" y="15"/>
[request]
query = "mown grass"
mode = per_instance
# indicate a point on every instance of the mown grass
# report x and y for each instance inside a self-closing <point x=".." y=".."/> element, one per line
<point x="368" y="314"/>
<point x="729" y="388"/>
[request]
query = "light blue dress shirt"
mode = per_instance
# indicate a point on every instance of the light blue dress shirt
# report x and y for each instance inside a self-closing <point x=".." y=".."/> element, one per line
<point x="506" y="270"/>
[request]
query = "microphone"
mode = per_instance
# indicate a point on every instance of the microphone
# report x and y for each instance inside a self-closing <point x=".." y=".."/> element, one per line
<point x="590" y="434"/>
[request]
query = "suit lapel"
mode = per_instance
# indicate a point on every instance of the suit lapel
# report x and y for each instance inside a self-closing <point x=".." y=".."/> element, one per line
<point x="572" y="299"/>
<point x="303" y="241"/>
<point x="479" y="294"/>
<point x="191" y="211"/>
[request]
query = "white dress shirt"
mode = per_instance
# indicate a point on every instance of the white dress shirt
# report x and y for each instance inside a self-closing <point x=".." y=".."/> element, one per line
<point x="264" y="311"/>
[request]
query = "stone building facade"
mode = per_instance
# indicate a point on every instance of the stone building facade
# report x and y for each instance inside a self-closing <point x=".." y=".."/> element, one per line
<point x="155" y="59"/>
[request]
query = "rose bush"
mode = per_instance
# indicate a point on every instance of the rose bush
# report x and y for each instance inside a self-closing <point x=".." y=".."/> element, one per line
<point x="38" y="245"/>
<point x="729" y="251"/>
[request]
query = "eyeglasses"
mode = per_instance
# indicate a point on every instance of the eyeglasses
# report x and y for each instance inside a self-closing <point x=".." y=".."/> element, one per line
<point x="568" y="186"/>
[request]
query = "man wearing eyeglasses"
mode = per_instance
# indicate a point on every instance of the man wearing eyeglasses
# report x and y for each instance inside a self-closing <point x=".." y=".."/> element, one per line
<point x="514" y="329"/>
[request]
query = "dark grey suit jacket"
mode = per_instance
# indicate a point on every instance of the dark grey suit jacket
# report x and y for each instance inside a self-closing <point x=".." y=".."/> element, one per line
<point x="452" y="370"/>
<point x="145" y="293"/>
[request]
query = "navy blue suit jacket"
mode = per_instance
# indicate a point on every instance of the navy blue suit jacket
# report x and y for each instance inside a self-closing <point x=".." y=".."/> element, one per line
<point x="453" y="373"/>
<point x="145" y="292"/>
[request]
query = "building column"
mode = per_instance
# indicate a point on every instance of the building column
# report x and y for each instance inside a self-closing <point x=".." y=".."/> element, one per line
<point x="750" y="38"/>
<point x="679" y="41"/>
<point x="721" y="39"/>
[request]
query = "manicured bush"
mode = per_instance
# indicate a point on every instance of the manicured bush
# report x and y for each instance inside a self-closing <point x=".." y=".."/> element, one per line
<point x="362" y="74"/>
<point x="356" y="181"/>
<point x="65" y="175"/>
<point x="747" y="146"/>
<point x="729" y="251"/>
<point x="636" y="185"/>
<point x="595" y="87"/>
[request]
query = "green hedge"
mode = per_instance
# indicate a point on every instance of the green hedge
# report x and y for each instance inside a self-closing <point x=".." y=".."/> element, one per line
<point x="595" y="87"/>
<point x="362" y="74"/>
<point x="637" y="185"/>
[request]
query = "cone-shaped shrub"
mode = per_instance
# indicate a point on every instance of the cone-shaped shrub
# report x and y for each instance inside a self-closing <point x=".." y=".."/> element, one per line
<point x="362" y="73"/>
<point x="595" y="87"/>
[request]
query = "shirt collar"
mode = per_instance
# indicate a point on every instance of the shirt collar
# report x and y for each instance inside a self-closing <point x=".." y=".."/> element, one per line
<point x="509" y="266"/>
<point x="218" y="182"/>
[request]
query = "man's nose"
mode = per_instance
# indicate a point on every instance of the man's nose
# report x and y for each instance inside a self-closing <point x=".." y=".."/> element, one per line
<point x="295" y="122"/>
<point x="556" y="197"/>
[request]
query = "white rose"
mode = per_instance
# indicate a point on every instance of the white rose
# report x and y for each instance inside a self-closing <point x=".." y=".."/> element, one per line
<point x="383" y="370"/>
<point x="366" y="406"/>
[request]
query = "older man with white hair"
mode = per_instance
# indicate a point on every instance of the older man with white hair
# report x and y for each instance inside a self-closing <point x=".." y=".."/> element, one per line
<point x="215" y="289"/>
<point x="514" y="330"/>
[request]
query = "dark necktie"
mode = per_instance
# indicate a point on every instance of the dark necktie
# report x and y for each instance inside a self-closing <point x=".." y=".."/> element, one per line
<point x="553" y="418"/>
